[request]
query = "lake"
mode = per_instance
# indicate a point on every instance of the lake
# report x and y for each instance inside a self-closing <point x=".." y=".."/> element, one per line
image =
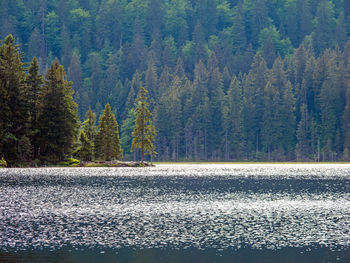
<point x="176" y="213"/>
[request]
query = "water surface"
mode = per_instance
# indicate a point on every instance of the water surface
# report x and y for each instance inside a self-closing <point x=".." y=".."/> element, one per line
<point x="173" y="213"/>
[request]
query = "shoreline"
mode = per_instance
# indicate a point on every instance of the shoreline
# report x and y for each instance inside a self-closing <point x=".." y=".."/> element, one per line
<point x="132" y="164"/>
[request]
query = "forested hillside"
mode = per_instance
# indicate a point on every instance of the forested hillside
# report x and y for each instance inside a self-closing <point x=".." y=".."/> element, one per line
<point x="227" y="79"/>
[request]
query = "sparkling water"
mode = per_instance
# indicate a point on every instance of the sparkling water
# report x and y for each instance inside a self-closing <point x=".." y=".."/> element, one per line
<point x="176" y="213"/>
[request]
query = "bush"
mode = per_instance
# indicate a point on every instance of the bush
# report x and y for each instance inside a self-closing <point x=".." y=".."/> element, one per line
<point x="71" y="162"/>
<point x="3" y="163"/>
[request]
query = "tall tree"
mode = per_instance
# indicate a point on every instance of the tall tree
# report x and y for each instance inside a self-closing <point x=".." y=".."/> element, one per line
<point x="34" y="82"/>
<point x="239" y="30"/>
<point x="75" y="75"/>
<point x="58" y="117"/>
<point x="89" y="125"/>
<point x="325" y="25"/>
<point x="13" y="100"/>
<point x="107" y="139"/>
<point x="144" y="132"/>
<point x="304" y="18"/>
<point x="126" y="129"/>
<point x="235" y="126"/>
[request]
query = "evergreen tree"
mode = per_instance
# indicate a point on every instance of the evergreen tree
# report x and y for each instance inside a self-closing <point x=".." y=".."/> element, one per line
<point x="107" y="143"/>
<point x="304" y="19"/>
<point x="14" y="110"/>
<point x="144" y="132"/>
<point x="34" y="82"/>
<point x="89" y="125"/>
<point x="303" y="134"/>
<point x="235" y="125"/>
<point x="269" y="52"/>
<point x="340" y="32"/>
<point x="127" y="127"/>
<point x="58" y="118"/>
<point x="324" y="36"/>
<point x="271" y="127"/>
<point x="288" y="120"/>
<point x="238" y="30"/>
<point x="200" y="52"/>
<point x="86" y="151"/>
<point x="75" y="75"/>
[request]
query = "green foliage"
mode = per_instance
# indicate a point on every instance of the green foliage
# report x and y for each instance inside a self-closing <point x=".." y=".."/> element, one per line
<point x="57" y="120"/>
<point x="107" y="143"/>
<point x="3" y="163"/>
<point x="144" y="132"/>
<point x="70" y="162"/>
<point x="89" y="125"/>
<point x="288" y="94"/>
<point x="13" y="100"/>
<point x="127" y="127"/>
<point x="86" y="151"/>
<point x="53" y="32"/>
<point x="282" y="46"/>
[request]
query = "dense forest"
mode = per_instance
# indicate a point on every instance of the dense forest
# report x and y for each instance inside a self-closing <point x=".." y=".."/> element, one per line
<point x="227" y="79"/>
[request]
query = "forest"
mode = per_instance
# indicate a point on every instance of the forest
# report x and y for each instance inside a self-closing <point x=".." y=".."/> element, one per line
<point x="228" y="80"/>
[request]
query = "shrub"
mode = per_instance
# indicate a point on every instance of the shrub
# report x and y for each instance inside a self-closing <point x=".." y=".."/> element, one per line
<point x="71" y="162"/>
<point x="3" y="163"/>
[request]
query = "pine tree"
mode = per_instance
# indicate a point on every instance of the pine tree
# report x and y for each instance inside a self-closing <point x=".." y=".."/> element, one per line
<point x="269" y="52"/>
<point x="75" y="75"/>
<point x="235" y="123"/>
<point x="324" y="36"/>
<point x="58" y="117"/>
<point x="126" y="130"/>
<point x="86" y="151"/>
<point x="303" y="133"/>
<point x="144" y="132"/>
<point x="271" y="127"/>
<point x="34" y="82"/>
<point x="288" y="121"/>
<point x="107" y="143"/>
<point x="239" y="30"/>
<point x="89" y="125"/>
<point x="200" y="52"/>
<point x="304" y="19"/>
<point x="340" y="32"/>
<point x="14" y="111"/>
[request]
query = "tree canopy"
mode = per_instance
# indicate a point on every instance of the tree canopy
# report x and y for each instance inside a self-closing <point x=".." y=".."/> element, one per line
<point x="227" y="80"/>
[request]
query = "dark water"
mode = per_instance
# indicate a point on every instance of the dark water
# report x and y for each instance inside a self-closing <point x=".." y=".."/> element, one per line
<point x="203" y="213"/>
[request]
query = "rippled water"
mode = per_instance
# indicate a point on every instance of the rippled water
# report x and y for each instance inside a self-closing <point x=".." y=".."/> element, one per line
<point x="198" y="213"/>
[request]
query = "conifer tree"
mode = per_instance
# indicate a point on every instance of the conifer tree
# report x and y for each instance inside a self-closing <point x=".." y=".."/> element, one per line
<point x="58" y="117"/>
<point x="239" y="30"/>
<point x="235" y="124"/>
<point x="126" y="129"/>
<point x="14" y="113"/>
<point x="324" y="31"/>
<point x="89" y="125"/>
<point x="107" y="143"/>
<point x="303" y="134"/>
<point x="75" y="75"/>
<point x="86" y="151"/>
<point x="34" y="81"/>
<point x="144" y="132"/>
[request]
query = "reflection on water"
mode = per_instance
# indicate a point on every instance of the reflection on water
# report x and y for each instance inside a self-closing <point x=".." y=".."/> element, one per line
<point x="206" y="213"/>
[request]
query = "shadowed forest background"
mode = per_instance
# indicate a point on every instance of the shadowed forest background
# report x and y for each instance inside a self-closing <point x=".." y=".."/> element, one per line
<point x="227" y="80"/>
